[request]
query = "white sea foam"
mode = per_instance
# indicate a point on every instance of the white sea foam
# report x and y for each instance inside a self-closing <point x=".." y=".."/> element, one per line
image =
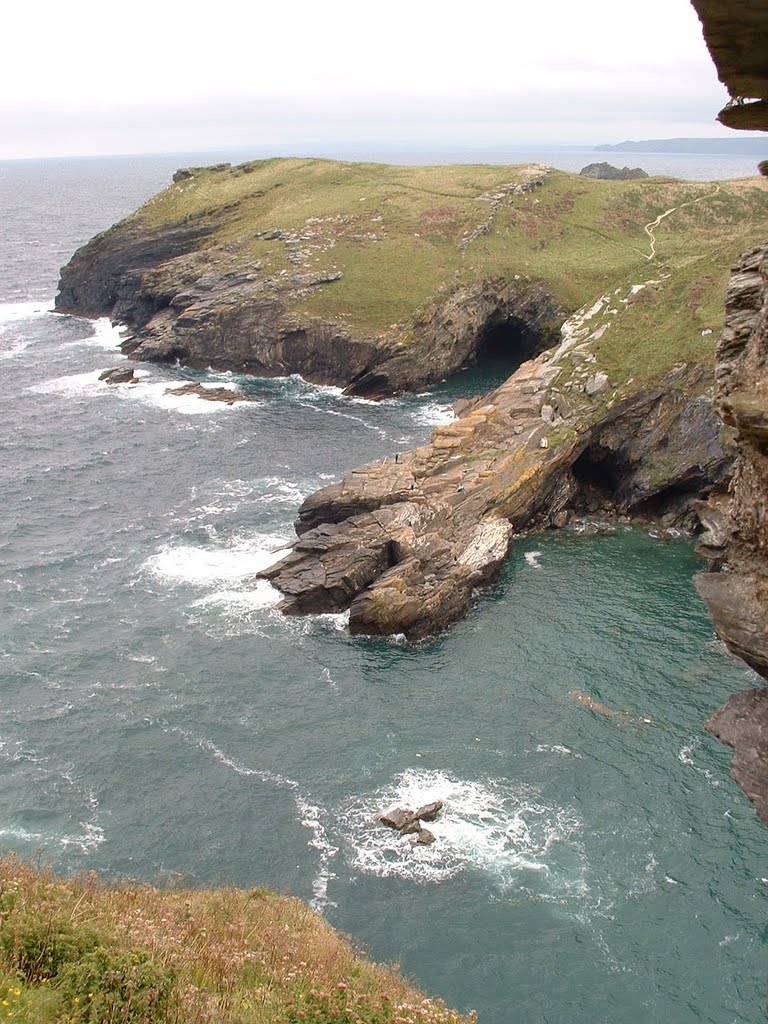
<point x="239" y="604"/>
<point x="493" y="826"/>
<point x="103" y="335"/>
<point x="334" y="621"/>
<point x="310" y="817"/>
<point x="556" y="748"/>
<point x="75" y="385"/>
<point x="686" y="756"/>
<point x="205" y="566"/>
<point x="13" y="312"/>
<point x="532" y="558"/>
<point x="434" y="414"/>
<point x="309" y="814"/>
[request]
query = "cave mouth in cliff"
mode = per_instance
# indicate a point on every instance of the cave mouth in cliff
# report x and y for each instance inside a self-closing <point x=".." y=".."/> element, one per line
<point x="504" y="345"/>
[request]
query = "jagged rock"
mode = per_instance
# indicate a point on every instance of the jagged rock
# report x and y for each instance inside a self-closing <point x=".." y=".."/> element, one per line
<point x="737" y="603"/>
<point x="119" y="375"/>
<point x="225" y="395"/>
<point x="715" y="532"/>
<point x="596" y="384"/>
<point x="749" y="414"/>
<point x="429" y="812"/>
<point x="399" y="818"/>
<point x="425" y="837"/>
<point x="547" y="413"/>
<point x="412" y="828"/>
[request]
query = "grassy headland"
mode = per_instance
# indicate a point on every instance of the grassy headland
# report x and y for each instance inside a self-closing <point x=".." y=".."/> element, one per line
<point x="404" y="239"/>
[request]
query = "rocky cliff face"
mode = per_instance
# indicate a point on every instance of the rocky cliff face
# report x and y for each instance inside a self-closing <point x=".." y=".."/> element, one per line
<point x="405" y="543"/>
<point x="737" y="597"/>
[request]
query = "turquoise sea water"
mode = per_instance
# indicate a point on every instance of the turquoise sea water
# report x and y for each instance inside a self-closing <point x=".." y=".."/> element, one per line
<point x="158" y="716"/>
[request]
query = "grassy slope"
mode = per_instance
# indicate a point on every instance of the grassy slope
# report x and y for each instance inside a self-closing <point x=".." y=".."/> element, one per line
<point x="394" y="232"/>
<point x="83" y="952"/>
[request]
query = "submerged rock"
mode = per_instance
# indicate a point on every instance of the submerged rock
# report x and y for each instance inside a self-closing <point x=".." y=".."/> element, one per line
<point x="225" y="395"/>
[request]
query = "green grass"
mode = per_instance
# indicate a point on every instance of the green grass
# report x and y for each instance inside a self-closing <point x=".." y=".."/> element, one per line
<point x="395" y="234"/>
<point x="86" y="952"/>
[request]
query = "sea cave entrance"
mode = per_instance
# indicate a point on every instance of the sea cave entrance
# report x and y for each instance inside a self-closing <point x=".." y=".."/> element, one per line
<point x="501" y="346"/>
<point x="509" y="343"/>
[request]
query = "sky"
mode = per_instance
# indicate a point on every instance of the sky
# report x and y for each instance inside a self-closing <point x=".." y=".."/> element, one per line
<point x="87" y="77"/>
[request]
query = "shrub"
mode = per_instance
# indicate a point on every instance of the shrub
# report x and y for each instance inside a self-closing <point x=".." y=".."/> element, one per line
<point x="108" y="987"/>
<point x="38" y="947"/>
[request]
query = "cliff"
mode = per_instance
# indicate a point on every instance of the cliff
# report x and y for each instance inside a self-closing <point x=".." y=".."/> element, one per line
<point x="737" y="596"/>
<point x="82" y="951"/>
<point x="385" y="278"/>
<point x="736" y="540"/>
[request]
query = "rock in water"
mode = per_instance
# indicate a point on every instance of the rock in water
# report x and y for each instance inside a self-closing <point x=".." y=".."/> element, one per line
<point x="225" y="395"/>
<point x="119" y="375"/>
<point x="425" y="837"/>
<point x="399" y="818"/>
<point x="610" y="173"/>
<point x="429" y="812"/>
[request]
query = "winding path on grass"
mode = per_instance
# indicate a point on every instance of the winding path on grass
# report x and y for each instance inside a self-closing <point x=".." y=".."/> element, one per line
<point x="652" y="225"/>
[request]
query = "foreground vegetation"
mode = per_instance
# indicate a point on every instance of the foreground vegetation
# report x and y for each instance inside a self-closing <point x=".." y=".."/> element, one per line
<point x="86" y="952"/>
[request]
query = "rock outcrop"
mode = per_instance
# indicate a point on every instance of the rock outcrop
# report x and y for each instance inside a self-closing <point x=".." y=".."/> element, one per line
<point x="409" y="823"/>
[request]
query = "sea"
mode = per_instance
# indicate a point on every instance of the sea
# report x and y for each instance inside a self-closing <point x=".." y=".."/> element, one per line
<point x="161" y="720"/>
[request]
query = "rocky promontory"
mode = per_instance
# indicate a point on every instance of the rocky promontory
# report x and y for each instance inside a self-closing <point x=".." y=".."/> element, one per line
<point x="601" y="299"/>
<point x="404" y="543"/>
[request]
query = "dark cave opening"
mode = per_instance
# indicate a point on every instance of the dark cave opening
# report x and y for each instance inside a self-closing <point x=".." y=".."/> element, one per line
<point x="501" y="346"/>
<point x="510" y="342"/>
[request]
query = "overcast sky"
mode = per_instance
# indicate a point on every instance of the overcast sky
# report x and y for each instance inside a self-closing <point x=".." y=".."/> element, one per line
<point x="98" y="76"/>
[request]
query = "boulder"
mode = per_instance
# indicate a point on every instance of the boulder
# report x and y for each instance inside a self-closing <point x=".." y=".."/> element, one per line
<point x="425" y="837"/>
<point x="596" y="384"/>
<point x="119" y="375"/>
<point x="429" y="812"/>
<point x="399" y="818"/>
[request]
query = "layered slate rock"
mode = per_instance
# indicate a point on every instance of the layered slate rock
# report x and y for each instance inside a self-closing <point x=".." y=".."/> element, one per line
<point x="403" y="544"/>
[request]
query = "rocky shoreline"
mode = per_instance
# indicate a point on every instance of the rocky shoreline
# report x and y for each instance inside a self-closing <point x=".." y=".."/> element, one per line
<point x="404" y="543"/>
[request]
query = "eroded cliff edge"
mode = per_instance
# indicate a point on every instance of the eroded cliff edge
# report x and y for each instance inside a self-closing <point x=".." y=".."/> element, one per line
<point x="737" y="596"/>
